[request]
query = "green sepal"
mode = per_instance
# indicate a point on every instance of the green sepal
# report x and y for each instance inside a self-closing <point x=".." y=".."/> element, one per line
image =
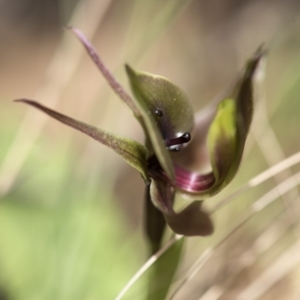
<point x="154" y="93"/>
<point x="131" y="151"/>
<point x="223" y="142"/>
<point x="229" y="129"/>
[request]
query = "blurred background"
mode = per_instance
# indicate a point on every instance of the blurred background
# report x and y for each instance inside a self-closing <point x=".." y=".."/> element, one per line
<point x="71" y="210"/>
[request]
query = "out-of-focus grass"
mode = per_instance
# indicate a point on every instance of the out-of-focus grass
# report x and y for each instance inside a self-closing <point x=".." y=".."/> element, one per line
<point x="71" y="225"/>
<point x="62" y="236"/>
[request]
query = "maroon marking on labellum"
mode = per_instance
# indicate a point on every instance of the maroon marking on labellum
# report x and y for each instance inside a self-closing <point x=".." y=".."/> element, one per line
<point x="193" y="182"/>
<point x="185" y="180"/>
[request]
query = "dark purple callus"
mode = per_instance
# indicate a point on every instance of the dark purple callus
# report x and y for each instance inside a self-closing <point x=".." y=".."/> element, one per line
<point x="158" y="113"/>
<point x="176" y="143"/>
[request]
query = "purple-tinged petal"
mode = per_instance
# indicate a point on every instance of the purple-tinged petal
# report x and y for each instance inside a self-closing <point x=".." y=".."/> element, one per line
<point x="116" y="86"/>
<point x="162" y="195"/>
<point x="131" y="151"/>
<point x="191" y="221"/>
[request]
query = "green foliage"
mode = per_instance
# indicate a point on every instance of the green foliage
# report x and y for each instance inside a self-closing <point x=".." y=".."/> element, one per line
<point x="60" y="240"/>
<point x="163" y="271"/>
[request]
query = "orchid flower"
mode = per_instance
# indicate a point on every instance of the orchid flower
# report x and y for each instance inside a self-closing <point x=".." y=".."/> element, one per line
<point x="176" y="142"/>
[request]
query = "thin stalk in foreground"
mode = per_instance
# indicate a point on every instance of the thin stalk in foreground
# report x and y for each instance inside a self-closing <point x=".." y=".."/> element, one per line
<point x="256" y="207"/>
<point x="257" y="180"/>
<point x="273" y="274"/>
<point x="147" y="265"/>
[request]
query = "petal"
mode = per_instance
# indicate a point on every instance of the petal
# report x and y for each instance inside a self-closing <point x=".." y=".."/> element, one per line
<point x="115" y="85"/>
<point x="131" y="151"/>
<point x="192" y="221"/>
<point x="162" y="196"/>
